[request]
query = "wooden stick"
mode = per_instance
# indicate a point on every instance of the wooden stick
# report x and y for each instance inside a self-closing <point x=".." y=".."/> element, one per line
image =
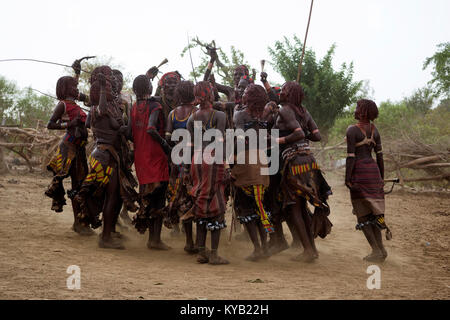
<point x="304" y="44"/>
<point x="420" y="161"/>
<point x="442" y="176"/>
<point x="432" y="165"/>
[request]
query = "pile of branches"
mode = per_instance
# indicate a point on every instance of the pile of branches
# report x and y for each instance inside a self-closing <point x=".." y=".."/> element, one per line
<point x="34" y="145"/>
<point x="412" y="154"/>
<point x="409" y="158"/>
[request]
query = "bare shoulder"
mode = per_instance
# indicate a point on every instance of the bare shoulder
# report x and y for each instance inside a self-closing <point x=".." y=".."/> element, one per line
<point x="351" y="129"/>
<point x="376" y="133"/>
<point x="219" y="114"/>
<point x="286" y="112"/>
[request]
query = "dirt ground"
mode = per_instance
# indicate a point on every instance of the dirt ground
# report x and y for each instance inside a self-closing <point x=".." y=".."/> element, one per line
<point x="37" y="246"/>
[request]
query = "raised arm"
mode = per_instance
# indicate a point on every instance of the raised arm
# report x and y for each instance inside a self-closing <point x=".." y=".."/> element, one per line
<point x="270" y="91"/>
<point x="213" y="55"/>
<point x="227" y="107"/>
<point x="227" y="90"/>
<point x="103" y="103"/>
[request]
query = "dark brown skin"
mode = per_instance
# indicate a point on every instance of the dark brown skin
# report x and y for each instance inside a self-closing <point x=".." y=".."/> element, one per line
<point x="354" y="135"/>
<point x="154" y="241"/>
<point x="169" y="88"/>
<point x="289" y="120"/>
<point x="156" y="223"/>
<point x="168" y="100"/>
<point x="218" y="122"/>
<point x="227" y="90"/>
<point x="181" y="112"/>
<point x="204" y="114"/>
<point x="55" y="123"/>
<point x="270" y="91"/>
<point x="113" y="201"/>
<point x="254" y="228"/>
<point x="242" y="85"/>
<point x="152" y="122"/>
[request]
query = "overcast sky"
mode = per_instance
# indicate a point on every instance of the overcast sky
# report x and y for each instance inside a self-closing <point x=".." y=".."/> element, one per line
<point x="387" y="40"/>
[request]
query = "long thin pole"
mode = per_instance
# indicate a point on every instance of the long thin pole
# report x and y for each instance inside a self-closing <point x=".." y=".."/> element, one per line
<point x="50" y="96"/>
<point x="41" y="61"/>
<point x="44" y="94"/>
<point x="304" y="44"/>
<point x="190" y="56"/>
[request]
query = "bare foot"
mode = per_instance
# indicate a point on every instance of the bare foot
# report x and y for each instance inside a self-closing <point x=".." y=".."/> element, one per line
<point x="384" y="252"/>
<point x="119" y="235"/>
<point x="203" y="256"/>
<point x="215" y="259"/>
<point x="296" y="244"/>
<point x="82" y="230"/>
<point x="278" y="248"/>
<point x="255" y="256"/>
<point x="304" y="257"/>
<point x="375" y="257"/>
<point x="191" y="249"/>
<point x="158" y="246"/>
<point x="110" y="243"/>
<point x="265" y="253"/>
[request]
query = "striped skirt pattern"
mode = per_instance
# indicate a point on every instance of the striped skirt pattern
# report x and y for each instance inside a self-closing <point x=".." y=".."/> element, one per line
<point x="367" y="195"/>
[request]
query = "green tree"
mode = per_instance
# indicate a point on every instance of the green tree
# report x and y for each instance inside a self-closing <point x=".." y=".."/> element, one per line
<point x="421" y="100"/>
<point x="23" y="107"/>
<point x="224" y="67"/>
<point x="441" y="70"/>
<point x="7" y="92"/>
<point x="30" y="107"/>
<point x="327" y="91"/>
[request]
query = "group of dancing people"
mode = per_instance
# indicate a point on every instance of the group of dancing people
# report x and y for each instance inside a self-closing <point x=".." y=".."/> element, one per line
<point x="196" y="193"/>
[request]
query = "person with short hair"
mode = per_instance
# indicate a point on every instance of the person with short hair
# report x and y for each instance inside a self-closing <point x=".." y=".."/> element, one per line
<point x="180" y="202"/>
<point x="208" y="178"/>
<point x="364" y="177"/>
<point x="302" y="180"/>
<point x="70" y="157"/>
<point x="151" y="150"/>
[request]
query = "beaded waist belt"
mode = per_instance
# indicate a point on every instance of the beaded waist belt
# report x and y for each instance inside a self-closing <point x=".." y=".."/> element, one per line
<point x="301" y="148"/>
<point x="77" y="141"/>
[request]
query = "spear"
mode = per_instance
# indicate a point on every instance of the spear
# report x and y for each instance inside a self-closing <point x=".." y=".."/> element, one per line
<point x="304" y="44"/>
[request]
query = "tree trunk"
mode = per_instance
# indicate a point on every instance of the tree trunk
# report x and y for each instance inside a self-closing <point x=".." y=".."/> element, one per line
<point x="3" y="167"/>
